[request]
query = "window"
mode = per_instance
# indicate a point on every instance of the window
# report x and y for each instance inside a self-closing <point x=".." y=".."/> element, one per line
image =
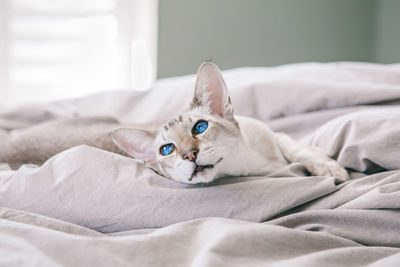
<point x="55" y="49"/>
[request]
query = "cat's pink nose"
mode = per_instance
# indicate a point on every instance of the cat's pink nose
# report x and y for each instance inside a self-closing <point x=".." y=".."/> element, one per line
<point x="190" y="154"/>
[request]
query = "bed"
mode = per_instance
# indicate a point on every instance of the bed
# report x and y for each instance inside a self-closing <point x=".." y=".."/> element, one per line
<point x="89" y="207"/>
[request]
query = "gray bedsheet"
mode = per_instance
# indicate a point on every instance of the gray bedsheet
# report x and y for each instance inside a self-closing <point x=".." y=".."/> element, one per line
<point x="88" y="207"/>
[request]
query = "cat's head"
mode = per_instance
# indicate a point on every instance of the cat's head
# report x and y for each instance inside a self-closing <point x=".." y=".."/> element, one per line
<point x="196" y="146"/>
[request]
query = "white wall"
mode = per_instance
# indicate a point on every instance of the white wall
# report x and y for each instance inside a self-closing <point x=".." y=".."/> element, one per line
<point x="3" y="51"/>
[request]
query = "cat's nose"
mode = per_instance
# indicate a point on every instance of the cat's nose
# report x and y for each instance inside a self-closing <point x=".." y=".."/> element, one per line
<point x="190" y="154"/>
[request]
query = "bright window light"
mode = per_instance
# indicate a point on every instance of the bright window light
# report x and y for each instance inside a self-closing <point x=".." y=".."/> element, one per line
<point x="70" y="48"/>
<point x="141" y="69"/>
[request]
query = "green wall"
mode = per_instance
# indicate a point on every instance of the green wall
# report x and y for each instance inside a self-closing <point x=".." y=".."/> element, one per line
<point x="387" y="32"/>
<point x="237" y="33"/>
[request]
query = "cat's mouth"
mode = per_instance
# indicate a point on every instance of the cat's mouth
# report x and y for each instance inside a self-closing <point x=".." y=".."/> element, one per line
<point x="200" y="168"/>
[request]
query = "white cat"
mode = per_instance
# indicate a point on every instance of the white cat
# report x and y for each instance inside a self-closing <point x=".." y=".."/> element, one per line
<point x="208" y="141"/>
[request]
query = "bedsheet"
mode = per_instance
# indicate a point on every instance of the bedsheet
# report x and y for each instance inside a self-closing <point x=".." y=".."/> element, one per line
<point x="87" y="207"/>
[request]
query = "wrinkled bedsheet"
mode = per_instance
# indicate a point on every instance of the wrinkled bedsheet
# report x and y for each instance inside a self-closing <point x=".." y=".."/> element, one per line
<point x="88" y="207"/>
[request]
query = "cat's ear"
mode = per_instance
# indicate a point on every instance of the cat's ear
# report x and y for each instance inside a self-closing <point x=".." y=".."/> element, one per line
<point x="137" y="143"/>
<point x="212" y="92"/>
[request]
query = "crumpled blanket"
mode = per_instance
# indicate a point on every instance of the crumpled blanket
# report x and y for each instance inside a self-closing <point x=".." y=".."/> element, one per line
<point x="86" y="206"/>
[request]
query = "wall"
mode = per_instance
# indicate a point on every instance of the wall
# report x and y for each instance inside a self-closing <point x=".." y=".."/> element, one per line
<point x="3" y="51"/>
<point x="237" y="33"/>
<point x="387" y="32"/>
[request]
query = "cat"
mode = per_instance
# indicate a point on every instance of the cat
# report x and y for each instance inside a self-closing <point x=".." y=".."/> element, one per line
<point x="205" y="143"/>
<point x="208" y="141"/>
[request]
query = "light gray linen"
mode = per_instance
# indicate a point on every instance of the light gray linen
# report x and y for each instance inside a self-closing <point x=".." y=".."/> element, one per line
<point x="88" y="207"/>
<point x="110" y="193"/>
<point x="203" y="242"/>
<point x="366" y="141"/>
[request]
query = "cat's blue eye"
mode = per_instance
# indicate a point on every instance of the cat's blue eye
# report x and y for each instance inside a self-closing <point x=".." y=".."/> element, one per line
<point x="199" y="127"/>
<point x="167" y="149"/>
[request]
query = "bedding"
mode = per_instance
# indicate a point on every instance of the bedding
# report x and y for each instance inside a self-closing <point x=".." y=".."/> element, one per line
<point x="87" y="207"/>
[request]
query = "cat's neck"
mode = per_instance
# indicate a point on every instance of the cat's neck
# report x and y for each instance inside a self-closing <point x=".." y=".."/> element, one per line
<point x="243" y="160"/>
<point x="256" y="152"/>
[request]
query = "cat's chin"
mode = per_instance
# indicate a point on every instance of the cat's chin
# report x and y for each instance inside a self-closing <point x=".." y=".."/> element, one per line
<point x="205" y="176"/>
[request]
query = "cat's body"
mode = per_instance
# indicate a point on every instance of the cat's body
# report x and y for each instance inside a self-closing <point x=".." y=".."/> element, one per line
<point x="38" y="143"/>
<point x="198" y="146"/>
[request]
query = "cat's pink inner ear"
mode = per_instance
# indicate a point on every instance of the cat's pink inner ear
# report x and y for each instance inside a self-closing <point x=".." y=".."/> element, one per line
<point x="211" y="90"/>
<point x="137" y="143"/>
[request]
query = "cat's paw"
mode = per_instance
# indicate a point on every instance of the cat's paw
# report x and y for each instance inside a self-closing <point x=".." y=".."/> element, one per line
<point x="327" y="167"/>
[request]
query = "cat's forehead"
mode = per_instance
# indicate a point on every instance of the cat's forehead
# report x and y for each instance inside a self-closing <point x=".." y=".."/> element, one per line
<point x="182" y="124"/>
<point x="182" y="121"/>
